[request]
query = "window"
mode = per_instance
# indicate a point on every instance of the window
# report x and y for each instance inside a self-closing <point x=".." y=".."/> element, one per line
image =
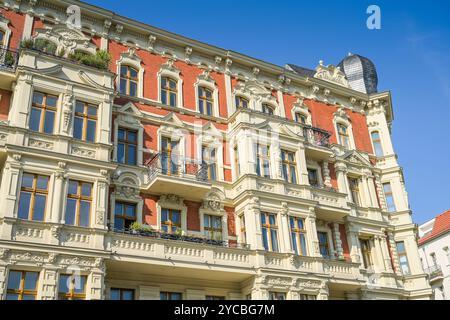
<point x="236" y="162"/>
<point x="169" y="156"/>
<point x="343" y="137"/>
<point x="289" y="166"/>
<point x="33" y="197"/>
<point x="127" y="146"/>
<point x="241" y="102"/>
<point x="43" y="110"/>
<point x="298" y="235"/>
<point x="85" y="123"/>
<point x="22" y="285"/>
<point x="128" y="81"/>
<point x="324" y="247"/>
<point x="403" y="258"/>
<point x="307" y="297"/>
<point x="447" y="254"/>
<point x="376" y="140"/>
<point x="209" y="162"/>
<point x="301" y="118"/>
<point x="354" y="191"/>
<point x="205" y="101"/>
<point x="267" y="109"/>
<point x="171" y="221"/>
<point x="122" y="294"/>
<point x="269" y="231"/>
<point x="212" y="226"/>
<point x="366" y="252"/>
<point x="389" y="197"/>
<point x="124" y="215"/>
<point x="169" y="91"/>
<point x="262" y="160"/>
<point x="2" y="38"/>
<point x="79" y="199"/>
<point x="277" y="295"/>
<point x="163" y="295"/>
<point x="72" y="287"/>
<point x="242" y="227"/>
<point x="313" y="177"/>
<point x="433" y="258"/>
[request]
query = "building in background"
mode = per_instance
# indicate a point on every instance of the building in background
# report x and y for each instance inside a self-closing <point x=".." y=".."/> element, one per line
<point x="179" y="170"/>
<point x="434" y="254"/>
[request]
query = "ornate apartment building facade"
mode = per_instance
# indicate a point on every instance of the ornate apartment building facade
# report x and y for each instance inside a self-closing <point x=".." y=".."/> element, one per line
<point x="185" y="171"/>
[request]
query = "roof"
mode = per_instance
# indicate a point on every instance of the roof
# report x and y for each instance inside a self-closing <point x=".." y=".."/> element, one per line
<point x="440" y="227"/>
<point x="304" y="72"/>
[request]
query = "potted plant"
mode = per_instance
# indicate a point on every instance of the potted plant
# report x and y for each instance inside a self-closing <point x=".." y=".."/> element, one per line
<point x="9" y="59"/>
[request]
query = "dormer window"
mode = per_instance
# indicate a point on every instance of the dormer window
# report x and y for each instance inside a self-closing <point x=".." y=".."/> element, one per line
<point x="241" y="102"/>
<point x="267" y="109"/>
<point x="169" y="91"/>
<point x="128" y="81"/>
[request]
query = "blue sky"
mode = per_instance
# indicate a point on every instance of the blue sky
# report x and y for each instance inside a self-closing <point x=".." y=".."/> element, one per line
<point x="411" y="53"/>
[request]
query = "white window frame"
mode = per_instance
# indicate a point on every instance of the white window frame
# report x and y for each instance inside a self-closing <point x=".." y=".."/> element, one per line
<point x="381" y="142"/>
<point x="301" y="108"/>
<point x="341" y="117"/>
<point x="5" y="28"/>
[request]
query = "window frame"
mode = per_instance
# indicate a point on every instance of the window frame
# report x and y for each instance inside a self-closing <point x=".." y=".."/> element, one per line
<point x="289" y="165"/>
<point x="377" y="142"/>
<point x="123" y="216"/>
<point x="353" y="184"/>
<point x="33" y="191"/>
<point x="211" y="166"/>
<point x="325" y="245"/>
<point x="298" y="248"/>
<point x="21" y="291"/>
<point x="121" y="292"/>
<point x="86" y="118"/>
<point x="261" y="159"/>
<point x="169" y="295"/>
<point x="126" y="143"/>
<point x="401" y="254"/>
<point x="239" y="102"/>
<point x="72" y="295"/>
<point x="78" y="198"/>
<point x="268" y="109"/>
<point x="43" y="108"/>
<point x="204" y="100"/>
<point x="128" y="79"/>
<point x="169" y="223"/>
<point x="167" y="90"/>
<point x="267" y="228"/>
<point x="343" y="134"/>
<point x="210" y="232"/>
<point x="366" y="252"/>
<point x="389" y="195"/>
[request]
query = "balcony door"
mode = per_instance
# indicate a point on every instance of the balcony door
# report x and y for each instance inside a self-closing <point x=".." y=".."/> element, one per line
<point x="169" y="156"/>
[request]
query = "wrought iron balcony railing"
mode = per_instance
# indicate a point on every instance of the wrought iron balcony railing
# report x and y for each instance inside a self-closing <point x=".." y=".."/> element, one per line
<point x="177" y="166"/>
<point x="316" y="136"/>
<point x="434" y="272"/>
<point x="8" y="59"/>
<point x="178" y="237"/>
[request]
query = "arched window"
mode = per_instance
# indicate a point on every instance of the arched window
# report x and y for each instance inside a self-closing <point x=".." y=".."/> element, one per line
<point x="267" y="109"/>
<point x="376" y="141"/>
<point x="128" y="81"/>
<point x="343" y="137"/>
<point x="241" y="102"/>
<point x="169" y="91"/>
<point x="205" y="101"/>
<point x="301" y="118"/>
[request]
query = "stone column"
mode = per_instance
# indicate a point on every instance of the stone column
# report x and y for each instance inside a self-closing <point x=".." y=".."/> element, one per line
<point x="384" y="250"/>
<point x="102" y="200"/>
<point x="284" y="230"/>
<point x="313" y="241"/>
<point x="253" y="224"/>
<point x="338" y="241"/>
<point x="58" y="194"/>
<point x="380" y="192"/>
<point x="354" y="244"/>
<point x="10" y="185"/>
<point x="341" y="175"/>
<point x="326" y="174"/>
<point x="48" y="283"/>
<point x="372" y="191"/>
<point x="366" y="193"/>
<point x="393" y="248"/>
<point x="302" y="167"/>
<point x="225" y="226"/>
<point x="378" y="255"/>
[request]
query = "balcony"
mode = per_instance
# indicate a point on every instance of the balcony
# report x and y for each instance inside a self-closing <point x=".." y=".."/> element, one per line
<point x="8" y="65"/>
<point x="434" y="273"/>
<point x="331" y="203"/>
<point x="317" y="142"/>
<point x="171" y="174"/>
